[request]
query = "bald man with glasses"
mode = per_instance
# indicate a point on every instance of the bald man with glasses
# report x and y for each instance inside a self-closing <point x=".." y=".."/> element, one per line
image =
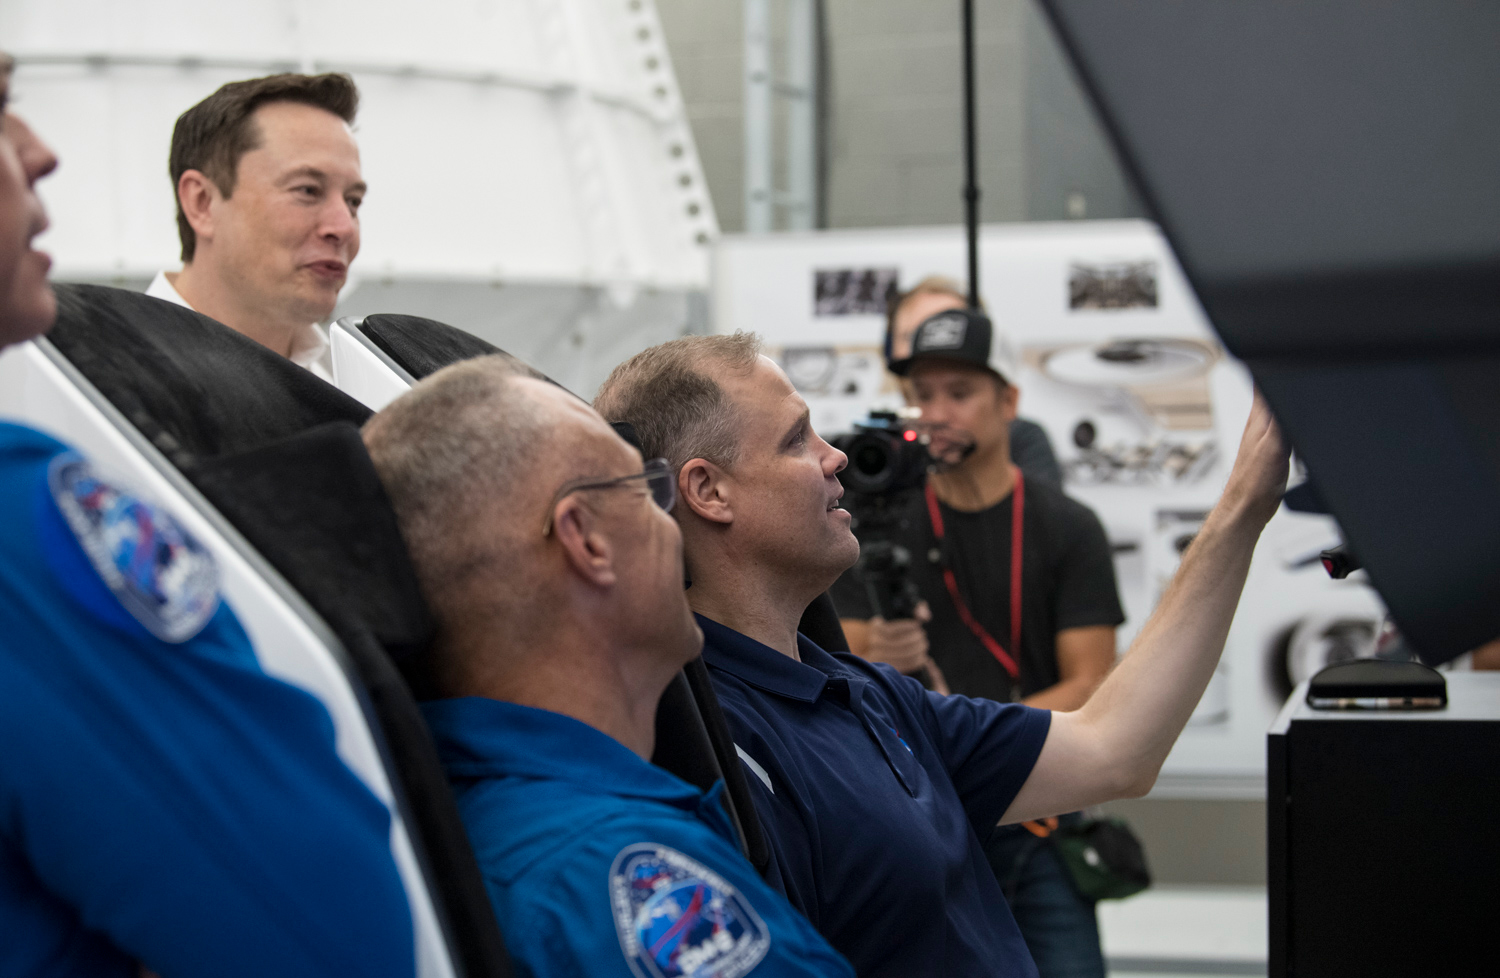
<point x="555" y="574"/>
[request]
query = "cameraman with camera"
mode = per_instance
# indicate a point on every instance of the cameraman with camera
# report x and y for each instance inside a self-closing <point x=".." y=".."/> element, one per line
<point x="1029" y="446"/>
<point x="1018" y="578"/>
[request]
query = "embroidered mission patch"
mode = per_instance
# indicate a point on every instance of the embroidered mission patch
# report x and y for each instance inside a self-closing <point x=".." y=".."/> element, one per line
<point x="160" y="574"/>
<point x="676" y="916"/>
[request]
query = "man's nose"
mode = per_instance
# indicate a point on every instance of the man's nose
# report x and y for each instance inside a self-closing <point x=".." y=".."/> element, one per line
<point x="836" y="458"/>
<point x="935" y="410"/>
<point x="339" y="220"/>
<point x="37" y="158"/>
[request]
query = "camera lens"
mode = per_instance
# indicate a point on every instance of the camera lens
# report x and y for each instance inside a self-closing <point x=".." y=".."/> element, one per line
<point x="882" y="460"/>
<point x="869" y="469"/>
<point x="871" y="458"/>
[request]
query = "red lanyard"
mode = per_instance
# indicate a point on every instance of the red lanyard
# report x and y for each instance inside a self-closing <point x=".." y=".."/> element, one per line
<point x="1018" y="507"/>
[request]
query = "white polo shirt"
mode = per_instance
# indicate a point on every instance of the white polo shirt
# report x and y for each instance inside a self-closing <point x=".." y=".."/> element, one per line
<point x="309" y="346"/>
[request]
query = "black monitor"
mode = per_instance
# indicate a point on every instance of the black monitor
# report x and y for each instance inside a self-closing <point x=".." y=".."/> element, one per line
<point x="1328" y="172"/>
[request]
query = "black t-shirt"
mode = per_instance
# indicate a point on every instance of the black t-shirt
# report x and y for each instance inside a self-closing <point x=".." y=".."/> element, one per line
<point x="1067" y="578"/>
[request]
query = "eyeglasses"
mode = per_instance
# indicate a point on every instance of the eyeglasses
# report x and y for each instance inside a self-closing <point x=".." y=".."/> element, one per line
<point x="657" y="475"/>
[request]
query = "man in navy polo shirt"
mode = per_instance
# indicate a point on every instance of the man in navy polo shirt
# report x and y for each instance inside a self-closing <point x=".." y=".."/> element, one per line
<point x="872" y="789"/>
<point x="164" y="803"/>
<point x="555" y="576"/>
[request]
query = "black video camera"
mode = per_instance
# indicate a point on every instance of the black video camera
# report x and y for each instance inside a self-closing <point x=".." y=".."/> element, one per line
<point x="889" y="458"/>
<point x="886" y="456"/>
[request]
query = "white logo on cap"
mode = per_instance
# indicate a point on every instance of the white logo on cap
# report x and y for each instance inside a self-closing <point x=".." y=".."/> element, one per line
<point x="943" y="332"/>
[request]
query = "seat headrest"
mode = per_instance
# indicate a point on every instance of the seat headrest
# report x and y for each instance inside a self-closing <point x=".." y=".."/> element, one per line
<point x="194" y="387"/>
<point x="312" y="505"/>
<point x="276" y="450"/>
<point x="423" y="346"/>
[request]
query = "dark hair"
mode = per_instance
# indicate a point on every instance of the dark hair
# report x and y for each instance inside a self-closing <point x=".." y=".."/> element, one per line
<point x="680" y="412"/>
<point x="213" y="135"/>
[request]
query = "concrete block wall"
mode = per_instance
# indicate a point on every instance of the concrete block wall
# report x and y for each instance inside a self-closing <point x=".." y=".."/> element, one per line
<point x="1071" y="171"/>
<point x="894" y="103"/>
<point x="895" y="112"/>
<point x="706" y="41"/>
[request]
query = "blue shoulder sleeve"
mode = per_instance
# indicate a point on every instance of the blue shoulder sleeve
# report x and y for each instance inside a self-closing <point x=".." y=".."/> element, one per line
<point x="988" y="747"/>
<point x="162" y="799"/>
<point x="659" y="898"/>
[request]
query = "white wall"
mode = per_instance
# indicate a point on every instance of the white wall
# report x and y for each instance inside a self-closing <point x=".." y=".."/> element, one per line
<point x="532" y="143"/>
<point x="894" y="100"/>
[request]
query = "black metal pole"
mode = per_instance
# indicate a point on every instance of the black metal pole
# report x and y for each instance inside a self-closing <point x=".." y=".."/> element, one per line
<point x="971" y="167"/>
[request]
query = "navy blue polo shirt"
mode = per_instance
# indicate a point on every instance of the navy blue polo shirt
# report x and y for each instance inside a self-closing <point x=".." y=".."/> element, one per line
<point x="874" y="794"/>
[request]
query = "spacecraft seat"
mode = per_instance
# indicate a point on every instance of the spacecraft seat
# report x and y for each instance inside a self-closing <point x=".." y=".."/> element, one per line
<point x="265" y="462"/>
<point x="378" y="356"/>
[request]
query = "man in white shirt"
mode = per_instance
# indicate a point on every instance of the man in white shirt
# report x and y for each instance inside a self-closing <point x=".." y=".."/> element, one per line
<point x="268" y="193"/>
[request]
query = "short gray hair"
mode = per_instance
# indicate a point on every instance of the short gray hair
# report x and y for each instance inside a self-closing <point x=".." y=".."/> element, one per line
<point x="677" y="408"/>
<point x="454" y="448"/>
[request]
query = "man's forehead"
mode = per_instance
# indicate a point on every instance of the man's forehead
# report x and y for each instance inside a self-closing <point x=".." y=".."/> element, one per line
<point x="294" y="127"/>
<point x="763" y="395"/>
<point x="282" y="111"/>
<point x="935" y="372"/>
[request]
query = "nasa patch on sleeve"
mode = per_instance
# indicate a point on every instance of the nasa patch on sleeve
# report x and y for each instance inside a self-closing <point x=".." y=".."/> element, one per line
<point x="159" y="573"/>
<point x="676" y="916"/>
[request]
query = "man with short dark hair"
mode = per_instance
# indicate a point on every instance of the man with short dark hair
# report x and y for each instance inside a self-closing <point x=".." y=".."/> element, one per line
<point x="1029" y="446"/>
<point x="555" y="576"/>
<point x="164" y="803"/>
<point x="871" y="789"/>
<point x="268" y="185"/>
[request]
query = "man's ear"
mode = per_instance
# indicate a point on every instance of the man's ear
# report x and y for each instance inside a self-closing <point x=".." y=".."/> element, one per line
<point x="196" y="193"/>
<point x="704" y="488"/>
<point x="1009" y="399"/>
<point x="588" y="550"/>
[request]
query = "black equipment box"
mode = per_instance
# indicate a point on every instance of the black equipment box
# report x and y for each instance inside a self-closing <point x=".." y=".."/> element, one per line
<point x="1382" y="836"/>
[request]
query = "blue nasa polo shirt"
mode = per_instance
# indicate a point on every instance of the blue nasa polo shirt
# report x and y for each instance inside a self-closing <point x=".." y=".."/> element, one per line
<point x="162" y="800"/>
<point x="871" y="791"/>
<point x="599" y="863"/>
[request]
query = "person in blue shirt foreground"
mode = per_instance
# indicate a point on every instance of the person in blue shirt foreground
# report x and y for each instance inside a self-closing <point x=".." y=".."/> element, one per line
<point x="555" y="576"/>
<point x="870" y="788"/>
<point x="163" y="803"/>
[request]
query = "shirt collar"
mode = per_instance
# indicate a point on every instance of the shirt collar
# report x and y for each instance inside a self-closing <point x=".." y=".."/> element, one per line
<point x="765" y="668"/>
<point x="309" y="345"/>
<point x="161" y="287"/>
<point x="479" y="737"/>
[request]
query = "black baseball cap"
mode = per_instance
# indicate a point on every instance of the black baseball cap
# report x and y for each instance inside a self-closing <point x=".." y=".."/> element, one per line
<point x="962" y="336"/>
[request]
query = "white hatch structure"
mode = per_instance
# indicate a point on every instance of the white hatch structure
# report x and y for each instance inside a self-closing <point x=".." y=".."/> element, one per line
<point x="532" y="175"/>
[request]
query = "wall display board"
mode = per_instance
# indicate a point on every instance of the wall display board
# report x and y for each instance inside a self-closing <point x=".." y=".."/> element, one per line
<point x="1143" y="406"/>
<point x="532" y="175"/>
